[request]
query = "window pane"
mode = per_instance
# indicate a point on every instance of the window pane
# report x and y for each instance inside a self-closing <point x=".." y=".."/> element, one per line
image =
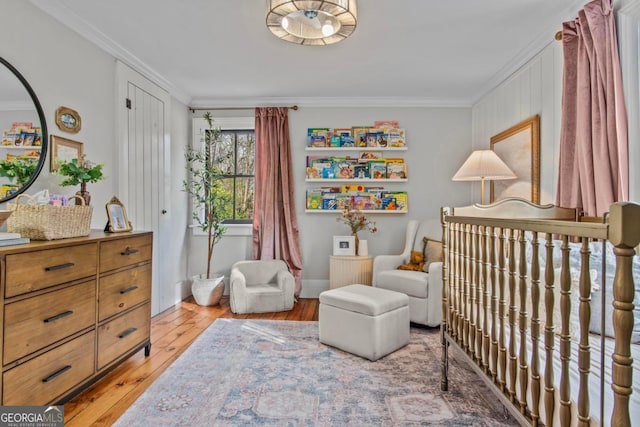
<point x="225" y="193"/>
<point x="246" y="154"/>
<point x="225" y="152"/>
<point x="244" y="198"/>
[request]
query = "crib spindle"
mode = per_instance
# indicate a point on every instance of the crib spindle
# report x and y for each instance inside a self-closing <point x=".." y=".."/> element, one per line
<point x="522" y="324"/>
<point x="444" y="377"/>
<point x="466" y="302"/>
<point x="513" y="358"/>
<point x="485" y="299"/>
<point x="502" y="312"/>
<point x="494" y="304"/>
<point x="535" y="331"/>
<point x="584" y="352"/>
<point x="460" y="321"/>
<point x="479" y="285"/>
<point x="625" y="236"/>
<point x="565" y="336"/>
<point x="453" y="278"/>
<point x="473" y="285"/>
<point x="549" y="331"/>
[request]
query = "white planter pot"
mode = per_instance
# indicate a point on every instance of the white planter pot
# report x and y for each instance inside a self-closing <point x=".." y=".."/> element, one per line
<point x="205" y="291"/>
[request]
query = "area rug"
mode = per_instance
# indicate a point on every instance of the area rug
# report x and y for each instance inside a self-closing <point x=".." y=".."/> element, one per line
<point x="277" y="373"/>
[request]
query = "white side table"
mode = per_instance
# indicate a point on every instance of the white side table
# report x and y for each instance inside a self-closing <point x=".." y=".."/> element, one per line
<point x="348" y="270"/>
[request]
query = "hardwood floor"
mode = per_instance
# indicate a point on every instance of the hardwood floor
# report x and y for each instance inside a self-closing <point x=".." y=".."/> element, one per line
<point x="172" y="331"/>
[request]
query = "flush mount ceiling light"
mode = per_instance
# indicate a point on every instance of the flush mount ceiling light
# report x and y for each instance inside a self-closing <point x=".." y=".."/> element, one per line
<point x="312" y="22"/>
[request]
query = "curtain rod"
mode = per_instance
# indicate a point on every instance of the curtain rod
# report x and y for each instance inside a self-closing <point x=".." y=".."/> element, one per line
<point x="194" y="109"/>
<point x="559" y="35"/>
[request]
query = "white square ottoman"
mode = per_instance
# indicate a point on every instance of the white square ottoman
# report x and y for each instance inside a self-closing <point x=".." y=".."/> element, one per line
<point x="363" y="320"/>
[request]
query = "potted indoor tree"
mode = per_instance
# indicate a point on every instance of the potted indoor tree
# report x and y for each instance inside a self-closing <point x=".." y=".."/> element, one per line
<point x="210" y="200"/>
<point x="80" y="172"/>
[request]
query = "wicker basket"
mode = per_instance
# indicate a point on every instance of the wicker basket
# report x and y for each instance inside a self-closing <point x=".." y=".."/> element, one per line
<point x="46" y="222"/>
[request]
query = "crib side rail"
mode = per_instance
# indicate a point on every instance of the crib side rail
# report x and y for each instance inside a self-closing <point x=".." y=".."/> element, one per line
<point x="492" y="304"/>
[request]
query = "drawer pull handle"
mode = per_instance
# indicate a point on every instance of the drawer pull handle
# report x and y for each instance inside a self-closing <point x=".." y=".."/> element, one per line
<point x="58" y="316"/>
<point x="129" y="251"/>
<point x="129" y="289"/>
<point x="127" y="332"/>
<point x="56" y="373"/>
<point x="59" y="267"/>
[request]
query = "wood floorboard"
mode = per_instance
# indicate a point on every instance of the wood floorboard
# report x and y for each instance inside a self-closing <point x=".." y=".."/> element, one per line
<point x="172" y="332"/>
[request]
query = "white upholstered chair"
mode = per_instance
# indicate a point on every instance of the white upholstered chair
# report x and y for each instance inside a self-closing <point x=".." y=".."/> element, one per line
<point x="260" y="287"/>
<point x="423" y="288"/>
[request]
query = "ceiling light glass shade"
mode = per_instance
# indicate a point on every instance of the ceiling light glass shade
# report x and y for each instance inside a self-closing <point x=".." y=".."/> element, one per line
<point x="312" y="22"/>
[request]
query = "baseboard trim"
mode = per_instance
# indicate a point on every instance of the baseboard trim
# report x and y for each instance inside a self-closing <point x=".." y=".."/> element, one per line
<point x="313" y="288"/>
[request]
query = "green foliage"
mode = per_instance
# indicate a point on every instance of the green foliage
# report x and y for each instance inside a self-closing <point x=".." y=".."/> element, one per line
<point x="20" y="169"/>
<point x="79" y="172"/>
<point x="212" y="202"/>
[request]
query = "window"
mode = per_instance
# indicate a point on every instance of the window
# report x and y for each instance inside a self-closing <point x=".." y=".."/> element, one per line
<point x="237" y="145"/>
<point x="238" y="150"/>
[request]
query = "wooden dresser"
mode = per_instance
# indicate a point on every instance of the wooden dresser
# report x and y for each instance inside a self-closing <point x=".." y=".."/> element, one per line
<point x="72" y="309"/>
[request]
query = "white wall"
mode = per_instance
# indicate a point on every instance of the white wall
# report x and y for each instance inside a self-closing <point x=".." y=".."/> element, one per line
<point x="536" y="88"/>
<point x="64" y="69"/>
<point x="438" y="140"/>
<point x="628" y="26"/>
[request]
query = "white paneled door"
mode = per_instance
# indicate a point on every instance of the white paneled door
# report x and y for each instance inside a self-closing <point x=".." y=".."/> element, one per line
<point x="144" y="170"/>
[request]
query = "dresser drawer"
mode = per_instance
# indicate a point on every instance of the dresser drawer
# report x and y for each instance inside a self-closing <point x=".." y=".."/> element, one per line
<point x="43" y="379"/>
<point x="34" y="323"/>
<point x="121" y="291"/>
<point x="122" y="334"/>
<point x="26" y="272"/>
<point x="123" y="252"/>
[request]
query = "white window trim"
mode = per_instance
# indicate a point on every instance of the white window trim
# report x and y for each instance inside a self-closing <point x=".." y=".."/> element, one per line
<point x="200" y="125"/>
<point x="233" y="230"/>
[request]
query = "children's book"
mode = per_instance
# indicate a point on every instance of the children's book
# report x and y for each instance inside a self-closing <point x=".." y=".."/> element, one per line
<point x="365" y="156"/>
<point x="396" y="169"/>
<point x="359" y="134"/>
<point x="377" y="169"/>
<point x="314" y="199"/>
<point x="18" y="241"/>
<point x="386" y="124"/>
<point x="396" y="138"/>
<point x="361" y="171"/>
<point x="372" y="139"/>
<point x="317" y="137"/>
<point x="8" y="236"/>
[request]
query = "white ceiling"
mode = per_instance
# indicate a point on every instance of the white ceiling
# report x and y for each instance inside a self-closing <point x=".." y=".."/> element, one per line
<point x="403" y="52"/>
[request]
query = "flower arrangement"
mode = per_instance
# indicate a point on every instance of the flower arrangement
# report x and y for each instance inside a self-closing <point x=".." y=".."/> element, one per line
<point x="356" y="220"/>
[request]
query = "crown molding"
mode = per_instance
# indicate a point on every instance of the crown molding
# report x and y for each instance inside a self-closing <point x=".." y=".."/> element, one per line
<point x="70" y="19"/>
<point x="544" y="39"/>
<point x="627" y="7"/>
<point x="331" y="102"/>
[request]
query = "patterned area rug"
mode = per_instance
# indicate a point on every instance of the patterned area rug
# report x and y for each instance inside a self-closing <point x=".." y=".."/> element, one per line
<point x="277" y="373"/>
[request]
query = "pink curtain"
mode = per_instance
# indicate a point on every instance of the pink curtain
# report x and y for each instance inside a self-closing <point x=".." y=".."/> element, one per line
<point x="594" y="161"/>
<point x="275" y="225"/>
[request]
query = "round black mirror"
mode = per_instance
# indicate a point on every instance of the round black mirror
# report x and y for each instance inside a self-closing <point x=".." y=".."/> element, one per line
<point x="23" y="148"/>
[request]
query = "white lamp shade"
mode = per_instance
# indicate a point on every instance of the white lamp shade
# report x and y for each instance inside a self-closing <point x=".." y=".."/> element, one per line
<point x="481" y="165"/>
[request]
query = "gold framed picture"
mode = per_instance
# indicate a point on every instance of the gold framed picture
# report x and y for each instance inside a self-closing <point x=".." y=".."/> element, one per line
<point x="519" y="148"/>
<point x="63" y="149"/>
<point x="117" y="220"/>
<point x="68" y="120"/>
